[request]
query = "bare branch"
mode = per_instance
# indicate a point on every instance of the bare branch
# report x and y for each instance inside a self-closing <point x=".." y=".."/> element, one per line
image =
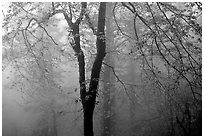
<point x="83" y="10"/>
<point x="133" y="7"/>
<point x="48" y="35"/>
<point x="128" y="7"/>
<point x="90" y="23"/>
<point x="179" y="39"/>
<point x="19" y="5"/>
<point x="117" y="22"/>
<point x="122" y="83"/>
<point x="30" y="23"/>
<point x="70" y="10"/>
<point x="176" y="69"/>
<point x="26" y="28"/>
<point x="135" y="27"/>
<point x="155" y="37"/>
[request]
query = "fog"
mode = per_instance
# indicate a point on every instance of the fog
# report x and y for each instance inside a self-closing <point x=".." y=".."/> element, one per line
<point x="137" y="115"/>
<point x="104" y="69"/>
<point x="21" y="116"/>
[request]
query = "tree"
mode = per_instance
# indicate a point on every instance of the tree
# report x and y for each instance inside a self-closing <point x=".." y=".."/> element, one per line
<point x="165" y="37"/>
<point x="108" y="77"/>
<point x="88" y="97"/>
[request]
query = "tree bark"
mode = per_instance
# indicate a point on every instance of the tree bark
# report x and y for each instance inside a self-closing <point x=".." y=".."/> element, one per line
<point x="88" y="97"/>
<point x="89" y="101"/>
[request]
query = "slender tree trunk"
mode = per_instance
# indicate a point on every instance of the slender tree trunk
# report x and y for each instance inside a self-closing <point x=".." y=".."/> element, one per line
<point x="88" y="97"/>
<point x="108" y="77"/>
<point x="89" y="101"/>
<point x="132" y="101"/>
<point x="107" y="101"/>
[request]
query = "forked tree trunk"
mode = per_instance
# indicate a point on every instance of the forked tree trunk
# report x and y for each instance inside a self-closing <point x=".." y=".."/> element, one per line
<point x="88" y="97"/>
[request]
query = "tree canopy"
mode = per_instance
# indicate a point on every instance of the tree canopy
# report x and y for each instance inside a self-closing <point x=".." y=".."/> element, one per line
<point x="160" y="40"/>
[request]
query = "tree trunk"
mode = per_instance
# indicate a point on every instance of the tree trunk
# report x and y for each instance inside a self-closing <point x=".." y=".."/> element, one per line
<point x="88" y="118"/>
<point x="108" y="77"/>
<point x="88" y="97"/>
<point x="89" y="101"/>
<point x="132" y="101"/>
<point x="106" y="102"/>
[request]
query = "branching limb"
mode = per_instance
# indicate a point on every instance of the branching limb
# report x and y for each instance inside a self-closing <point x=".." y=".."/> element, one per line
<point x="133" y="7"/>
<point x="83" y="10"/>
<point x="90" y="23"/>
<point x="118" y="24"/>
<point x="132" y="10"/>
<point x="122" y="83"/>
<point x="19" y="5"/>
<point x="34" y="19"/>
<point x="179" y="39"/>
<point x="155" y="37"/>
<point x="191" y="87"/>
<point x="48" y="35"/>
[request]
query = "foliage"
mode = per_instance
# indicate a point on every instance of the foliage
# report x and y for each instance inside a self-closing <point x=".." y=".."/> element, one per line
<point x="39" y="39"/>
<point x="167" y="37"/>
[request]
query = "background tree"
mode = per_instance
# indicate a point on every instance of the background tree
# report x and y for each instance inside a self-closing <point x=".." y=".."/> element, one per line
<point x="87" y="98"/>
<point x="108" y="76"/>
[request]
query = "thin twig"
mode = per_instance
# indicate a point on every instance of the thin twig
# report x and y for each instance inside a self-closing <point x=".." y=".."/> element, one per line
<point x="118" y="24"/>
<point x="48" y="35"/>
<point x="90" y="23"/>
<point x="113" y="70"/>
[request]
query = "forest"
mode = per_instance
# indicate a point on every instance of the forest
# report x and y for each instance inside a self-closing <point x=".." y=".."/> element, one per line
<point x="102" y="68"/>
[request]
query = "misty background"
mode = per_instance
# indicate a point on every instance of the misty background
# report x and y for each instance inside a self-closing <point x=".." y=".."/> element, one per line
<point x="138" y="94"/>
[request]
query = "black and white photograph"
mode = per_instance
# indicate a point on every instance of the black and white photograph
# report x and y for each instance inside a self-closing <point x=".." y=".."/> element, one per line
<point x="101" y="68"/>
